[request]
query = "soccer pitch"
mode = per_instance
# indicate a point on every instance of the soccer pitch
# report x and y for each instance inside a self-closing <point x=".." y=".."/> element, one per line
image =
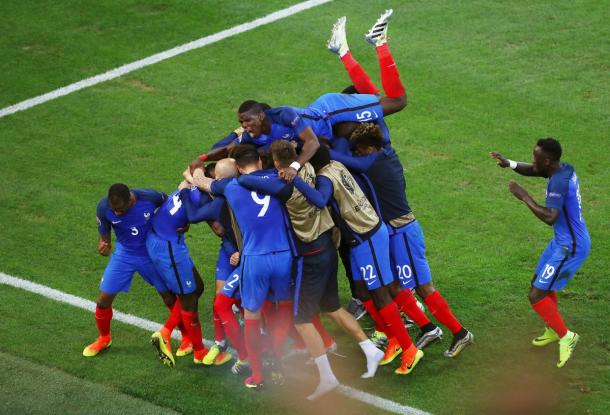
<point x="480" y="76"/>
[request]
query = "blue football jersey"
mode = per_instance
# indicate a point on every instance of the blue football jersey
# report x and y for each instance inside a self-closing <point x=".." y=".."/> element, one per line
<point x="172" y="214"/>
<point x="563" y="193"/>
<point x="261" y="218"/>
<point x="288" y="122"/>
<point x="132" y="227"/>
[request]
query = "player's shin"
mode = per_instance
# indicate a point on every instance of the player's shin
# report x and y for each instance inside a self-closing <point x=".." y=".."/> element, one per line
<point x="408" y="303"/>
<point x="390" y="78"/>
<point x="361" y="80"/>
<point x="391" y="316"/>
<point x="548" y="311"/>
<point x="103" y="317"/>
<point x="440" y="310"/>
<point x="191" y="322"/>
<point x="223" y="307"/>
<point x="253" y="345"/>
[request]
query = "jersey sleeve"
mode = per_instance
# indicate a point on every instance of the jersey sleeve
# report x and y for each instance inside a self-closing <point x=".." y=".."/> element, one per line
<point x="288" y="117"/>
<point x="225" y="141"/>
<point x="357" y="164"/>
<point x="320" y="196"/>
<point x="103" y="224"/>
<point x="218" y="186"/>
<point x="228" y="246"/>
<point x="557" y="191"/>
<point x="207" y="210"/>
<point x="341" y="145"/>
<point x="273" y="186"/>
<point x="151" y="195"/>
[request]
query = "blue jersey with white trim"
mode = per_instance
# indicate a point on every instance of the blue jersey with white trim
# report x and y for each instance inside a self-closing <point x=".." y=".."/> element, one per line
<point x="261" y="218"/>
<point x="563" y="193"/>
<point x="131" y="227"/>
<point x="288" y="122"/>
<point x="172" y="213"/>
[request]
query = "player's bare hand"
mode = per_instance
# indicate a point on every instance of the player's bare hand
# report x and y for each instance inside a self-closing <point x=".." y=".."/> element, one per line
<point x="187" y="175"/>
<point x="195" y="164"/>
<point x="103" y="247"/>
<point x="518" y="191"/>
<point x="234" y="259"/>
<point x="184" y="229"/>
<point x="184" y="185"/>
<point x="288" y="174"/>
<point x="500" y="159"/>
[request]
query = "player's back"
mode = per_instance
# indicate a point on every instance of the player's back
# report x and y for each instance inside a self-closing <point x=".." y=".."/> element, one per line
<point x="570" y="227"/>
<point x="288" y="122"/>
<point x="387" y="177"/>
<point x="171" y="215"/>
<point x="261" y="218"/>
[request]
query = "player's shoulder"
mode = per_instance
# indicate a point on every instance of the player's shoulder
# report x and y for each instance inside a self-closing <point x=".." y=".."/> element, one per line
<point x="103" y="205"/>
<point x="148" y="195"/>
<point x="564" y="174"/>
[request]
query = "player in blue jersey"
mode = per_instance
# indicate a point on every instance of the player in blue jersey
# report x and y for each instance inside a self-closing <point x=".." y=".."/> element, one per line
<point x="570" y="246"/>
<point x="315" y="279"/>
<point x="266" y="258"/>
<point x="369" y="245"/>
<point x="129" y="213"/>
<point x="170" y="255"/>
<point x="383" y="178"/>
<point x="226" y="325"/>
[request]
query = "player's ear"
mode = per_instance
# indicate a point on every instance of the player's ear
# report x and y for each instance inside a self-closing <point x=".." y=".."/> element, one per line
<point x="261" y="116"/>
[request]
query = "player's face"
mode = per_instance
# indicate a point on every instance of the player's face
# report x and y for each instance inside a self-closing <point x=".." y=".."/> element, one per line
<point x="252" y="123"/>
<point x="120" y="207"/>
<point x="541" y="162"/>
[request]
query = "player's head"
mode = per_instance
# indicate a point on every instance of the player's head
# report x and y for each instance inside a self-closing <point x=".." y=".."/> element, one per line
<point x="367" y="138"/>
<point x="547" y="154"/>
<point x="283" y="153"/>
<point x="247" y="158"/>
<point x="225" y="169"/>
<point x="251" y="115"/>
<point x="120" y="198"/>
<point x="321" y="158"/>
<point x="209" y="170"/>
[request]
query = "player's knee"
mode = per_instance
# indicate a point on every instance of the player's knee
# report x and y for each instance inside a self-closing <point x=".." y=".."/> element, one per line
<point x="425" y="290"/>
<point x="104" y="300"/>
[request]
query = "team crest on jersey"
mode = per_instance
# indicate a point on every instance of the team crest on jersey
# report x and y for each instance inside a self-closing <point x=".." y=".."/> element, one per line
<point x="348" y="182"/>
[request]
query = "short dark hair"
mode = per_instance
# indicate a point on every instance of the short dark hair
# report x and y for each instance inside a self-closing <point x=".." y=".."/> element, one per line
<point x="350" y="89"/>
<point x="321" y="158"/>
<point x="550" y="147"/>
<point x="209" y="170"/>
<point x="119" y="194"/>
<point x="245" y="155"/>
<point x="283" y="152"/>
<point x="251" y="106"/>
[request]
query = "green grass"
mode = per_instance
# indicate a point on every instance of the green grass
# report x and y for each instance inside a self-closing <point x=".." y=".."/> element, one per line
<point x="480" y="76"/>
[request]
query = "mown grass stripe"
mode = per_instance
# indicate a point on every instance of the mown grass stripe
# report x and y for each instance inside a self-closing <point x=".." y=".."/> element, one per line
<point x="161" y="56"/>
<point x="149" y="325"/>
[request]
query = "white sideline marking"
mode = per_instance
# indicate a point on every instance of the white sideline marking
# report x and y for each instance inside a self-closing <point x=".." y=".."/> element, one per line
<point x="178" y="50"/>
<point x="148" y="325"/>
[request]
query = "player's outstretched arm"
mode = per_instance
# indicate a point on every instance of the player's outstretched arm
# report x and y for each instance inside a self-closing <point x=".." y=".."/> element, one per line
<point x="524" y="169"/>
<point x="272" y="186"/>
<point x="310" y="146"/>
<point x="547" y="215"/>
<point x="199" y="179"/>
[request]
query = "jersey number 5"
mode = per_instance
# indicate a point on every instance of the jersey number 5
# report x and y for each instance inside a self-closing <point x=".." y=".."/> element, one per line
<point x="263" y="201"/>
